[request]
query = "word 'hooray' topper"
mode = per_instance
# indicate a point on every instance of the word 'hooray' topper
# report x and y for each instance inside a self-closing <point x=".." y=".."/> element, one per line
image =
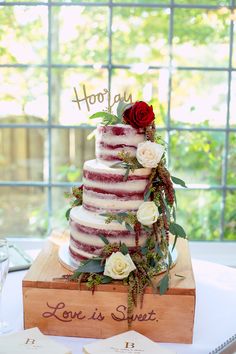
<point x="100" y="97"/>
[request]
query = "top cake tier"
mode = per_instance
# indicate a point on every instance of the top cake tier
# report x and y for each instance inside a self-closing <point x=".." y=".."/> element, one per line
<point x="112" y="139"/>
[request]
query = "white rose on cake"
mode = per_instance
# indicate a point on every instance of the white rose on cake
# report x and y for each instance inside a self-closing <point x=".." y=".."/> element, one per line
<point x="118" y="266"/>
<point x="147" y="213"/>
<point x="149" y="154"/>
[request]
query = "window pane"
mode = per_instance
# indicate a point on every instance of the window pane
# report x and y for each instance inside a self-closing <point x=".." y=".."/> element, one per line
<point x="23" y="211"/>
<point x="200" y="33"/>
<point x="233" y="101"/>
<point x="60" y="204"/>
<point x="157" y="2"/>
<point x="140" y="35"/>
<point x="28" y="1"/>
<point x="232" y="160"/>
<point x="23" y="36"/>
<point x="150" y="86"/>
<point x="84" y="1"/>
<point x="199" y="98"/>
<point x="233" y="16"/>
<point x="22" y="154"/>
<point x="23" y="95"/>
<point x="199" y="213"/>
<point x="64" y="111"/>
<point x="70" y="149"/>
<point x="79" y="35"/>
<point x="230" y="216"/>
<point x="196" y="157"/>
<point x="203" y="2"/>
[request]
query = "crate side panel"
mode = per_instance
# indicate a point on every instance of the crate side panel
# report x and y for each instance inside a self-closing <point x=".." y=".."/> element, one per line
<point x="166" y="318"/>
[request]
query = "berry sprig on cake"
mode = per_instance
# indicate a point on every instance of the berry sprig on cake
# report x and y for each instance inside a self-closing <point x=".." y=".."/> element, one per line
<point x="126" y="209"/>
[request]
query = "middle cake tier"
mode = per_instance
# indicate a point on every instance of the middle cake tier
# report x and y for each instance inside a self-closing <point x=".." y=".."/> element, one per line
<point x="105" y="189"/>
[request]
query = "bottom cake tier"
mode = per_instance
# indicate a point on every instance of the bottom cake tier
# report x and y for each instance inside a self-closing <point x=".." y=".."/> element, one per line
<point x="86" y="228"/>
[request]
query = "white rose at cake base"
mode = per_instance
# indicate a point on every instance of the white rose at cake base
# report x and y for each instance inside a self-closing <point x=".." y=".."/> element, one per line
<point x="147" y="213"/>
<point x="118" y="266"/>
<point x="149" y="154"/>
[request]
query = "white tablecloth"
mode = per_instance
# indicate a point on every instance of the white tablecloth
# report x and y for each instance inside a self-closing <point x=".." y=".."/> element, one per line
<point x="215" y="316"/>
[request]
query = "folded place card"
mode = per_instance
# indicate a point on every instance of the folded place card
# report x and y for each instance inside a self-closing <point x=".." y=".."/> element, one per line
<point x="130" y="342"/>
<point x="30" y="341"/>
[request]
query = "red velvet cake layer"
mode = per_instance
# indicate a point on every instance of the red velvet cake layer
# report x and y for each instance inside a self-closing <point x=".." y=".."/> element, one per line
<point x="112" y="140"/>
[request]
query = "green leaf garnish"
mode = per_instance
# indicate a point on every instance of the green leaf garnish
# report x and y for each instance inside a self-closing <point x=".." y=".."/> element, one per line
<point x="147" y="195"/>
<point x="121" y="107"/>
<point x="164" y="284"/>
<point x="104" y="239"/>
<point x="167" y="209"/>
<point x="108" y="118"/>
<point x="122" y="214"/>
<point x="144" y="250"/>
<point x="178" y="181"/>
<point x="106" y="280"/>
<point x="68" y="214"/>
<point x="91" y="266"/>
<point x="158" y="250"/>
<point x="124" y="249"/>
<point x="180" y="276"/>
<point x="126" y="175"/>
<point x="105" y="214"/>
<point x="129" y="227"/>
<point x="177" y="230"/>
<point x="174" y="244"/>
<point x="118" y="164"/>
<point x="170" y="261"/>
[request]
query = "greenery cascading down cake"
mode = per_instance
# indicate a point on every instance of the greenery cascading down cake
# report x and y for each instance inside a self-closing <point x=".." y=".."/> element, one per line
<point x="122" y="215"/>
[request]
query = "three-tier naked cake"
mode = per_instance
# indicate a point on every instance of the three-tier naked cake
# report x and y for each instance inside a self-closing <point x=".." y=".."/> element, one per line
<point x="106" y="191"/>
<point x="125" y="210"/>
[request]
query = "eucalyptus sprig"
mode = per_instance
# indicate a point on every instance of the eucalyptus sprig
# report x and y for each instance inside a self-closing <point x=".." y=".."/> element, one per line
<point x="129" y="219"/>
<point x="76" y="199"/>
<point x="107" y="117"/>
<point x="128" y="162"/>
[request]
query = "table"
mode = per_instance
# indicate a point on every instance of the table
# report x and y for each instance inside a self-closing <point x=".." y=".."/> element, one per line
<point x="215" y="316"/>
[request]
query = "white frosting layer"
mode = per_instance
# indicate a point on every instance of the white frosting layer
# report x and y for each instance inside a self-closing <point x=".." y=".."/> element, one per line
<point x="94" y="240"/>
<point x="101" y="167"/>
<point x="133" y="186"/>
<point x="110" y="140"/>
<point x="91" y="219"/>
<point x="114" y="153"/>
<point x="110" y="203"/>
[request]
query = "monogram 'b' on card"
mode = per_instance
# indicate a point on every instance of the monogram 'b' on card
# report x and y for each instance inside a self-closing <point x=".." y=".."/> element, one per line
<point x="130" y="342"/>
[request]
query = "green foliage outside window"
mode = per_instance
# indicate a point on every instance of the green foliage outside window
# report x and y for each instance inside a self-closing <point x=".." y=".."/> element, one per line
<point x="140" y="41"/>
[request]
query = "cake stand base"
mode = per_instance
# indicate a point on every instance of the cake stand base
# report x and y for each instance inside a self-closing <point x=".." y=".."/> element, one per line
<point x="65" y="259"/>
<point x="69" y="264"/>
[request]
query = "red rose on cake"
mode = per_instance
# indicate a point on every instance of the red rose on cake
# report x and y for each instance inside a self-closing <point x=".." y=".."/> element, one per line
<point x="139" y="115"/>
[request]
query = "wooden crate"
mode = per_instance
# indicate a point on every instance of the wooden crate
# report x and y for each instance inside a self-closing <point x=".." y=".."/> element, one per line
<point x="59" y="308"/>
